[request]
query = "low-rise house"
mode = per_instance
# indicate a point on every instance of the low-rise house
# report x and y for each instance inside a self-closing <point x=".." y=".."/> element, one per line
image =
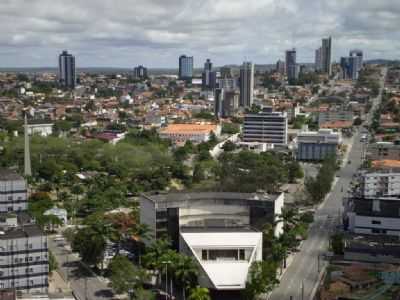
<point x="196" y="133"/>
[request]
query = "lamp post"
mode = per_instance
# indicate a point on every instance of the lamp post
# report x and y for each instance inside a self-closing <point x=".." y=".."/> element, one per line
<point x="166" y="263"/>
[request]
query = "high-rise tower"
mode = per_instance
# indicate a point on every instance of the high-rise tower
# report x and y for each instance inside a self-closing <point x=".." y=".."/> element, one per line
<point x="27" y="153"/>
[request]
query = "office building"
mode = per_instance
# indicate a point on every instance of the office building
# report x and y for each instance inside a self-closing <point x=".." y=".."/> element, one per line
<point x="209" y="77"/>
<point x="225" y="255"/>
<point x="226" y="72"/>
<point x="24" y="255"/>
<point x="266" y="126"/>
<point x="384" y="151"/>
<point x="326" y="55"/>
<point x="227" y="83"/>
<point x="140" y="72"/>
<point x="292" y="69"/>
<point x="13" y="192"/>
<point x="186" y="67"/>
<point x="225" y="102"/>
<point x="317" y="145"/>
<point x="167" y="214"/>
<point x="246" y="84"/>
<point x="280" y="67"/>
<point x="318" y="60"/>
<point x="352" y="65"/>
<point x="66" y="70"/>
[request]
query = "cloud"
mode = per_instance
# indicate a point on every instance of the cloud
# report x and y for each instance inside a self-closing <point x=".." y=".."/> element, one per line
<point x="124" y="33"/>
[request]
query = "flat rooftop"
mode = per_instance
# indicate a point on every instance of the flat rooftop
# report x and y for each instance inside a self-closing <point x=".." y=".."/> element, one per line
<point x="7" y="175"/>
<point x="166" y="197"/>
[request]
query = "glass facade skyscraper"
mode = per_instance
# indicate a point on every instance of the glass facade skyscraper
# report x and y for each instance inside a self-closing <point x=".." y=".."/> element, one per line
<point x="66" y="70"/>
<point x="185" y="67"/>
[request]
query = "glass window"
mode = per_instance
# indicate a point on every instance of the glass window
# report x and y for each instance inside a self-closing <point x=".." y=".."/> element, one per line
<point x="223" y="254"/>
<point x="241" y="254"/>
<point x="204" y="254"/>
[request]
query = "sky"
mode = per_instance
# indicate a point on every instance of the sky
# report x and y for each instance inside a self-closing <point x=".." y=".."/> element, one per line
<point x="125" y="33"/>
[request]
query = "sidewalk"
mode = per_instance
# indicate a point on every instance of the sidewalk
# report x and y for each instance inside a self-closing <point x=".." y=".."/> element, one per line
<point x="84" y="283"/>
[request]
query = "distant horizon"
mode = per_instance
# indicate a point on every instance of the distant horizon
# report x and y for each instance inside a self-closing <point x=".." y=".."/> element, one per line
<point x="2" y="69"/>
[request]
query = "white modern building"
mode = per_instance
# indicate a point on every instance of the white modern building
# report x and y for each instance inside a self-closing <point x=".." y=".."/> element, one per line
<point x="374" y="207"/>
<point x="222" y="231"/>
<point x="13" y="192"/>
<point x="266" y="126"/>
<point x="40" y="129"/>
<point x="380" y="184"/>
<point x="23" y="255"/>
<point x="167" y="213"/>
<point x="224" y="256"/>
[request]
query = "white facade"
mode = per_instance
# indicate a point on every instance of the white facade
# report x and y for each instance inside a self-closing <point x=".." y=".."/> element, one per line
<point x="381" y="184"/>
<point x="224" y="257"/>
<point x="13" y="192"/>
<point x="24" y="260"/>
<point x="374" y="225"/>
<point x="40" y="129"/>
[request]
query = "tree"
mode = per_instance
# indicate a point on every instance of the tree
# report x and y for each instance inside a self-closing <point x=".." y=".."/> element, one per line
<point x="142" y="294"/>
<point x="185" y="272"/>
<point x="199" y="293"/>
<point x="357" y="121"/>
<point x="229" y="146"/>
<point x="294" y="172"/>
<point x="90" y="245"/>
<point x="337" y="244"/>
<point x="53" y="265"/>
<point x="125" y="275"/>
<point x="261" y="280"/>
<point x="198" y="173"/>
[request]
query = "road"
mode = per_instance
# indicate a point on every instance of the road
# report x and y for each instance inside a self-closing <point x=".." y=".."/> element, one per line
<point x="302" y="275"/>
<point x="84" y="284"/>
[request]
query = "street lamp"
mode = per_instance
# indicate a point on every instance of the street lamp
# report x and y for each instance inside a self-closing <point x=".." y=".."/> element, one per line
<point x="166" y="263"/>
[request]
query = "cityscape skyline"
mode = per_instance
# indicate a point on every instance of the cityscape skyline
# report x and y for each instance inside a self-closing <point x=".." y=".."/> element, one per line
<point x="227" y="32"/>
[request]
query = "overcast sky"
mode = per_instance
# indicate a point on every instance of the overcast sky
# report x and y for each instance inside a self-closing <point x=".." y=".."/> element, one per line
<point x="123" y="33"/>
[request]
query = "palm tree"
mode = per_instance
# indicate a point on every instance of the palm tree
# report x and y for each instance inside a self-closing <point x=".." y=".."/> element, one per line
<point x="199" y="293"/>
<point x="185" y="273"/>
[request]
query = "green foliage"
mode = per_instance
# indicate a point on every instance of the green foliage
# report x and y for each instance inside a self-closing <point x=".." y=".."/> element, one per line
<point x="230" y="128"/>
<point x="38" y="203"/>
<point x="181" y="268"/>
<point x="337" y="243"/>
<point x="53" y="265"/>
<point x="125" y="276"/>
<point x="229" y="146"/>
<point x="319" y="187"/>
<point x="90" y="244"/>
<point x="299" y="121"/>
<point x="199" y="293"/>
<point x="294" y="171"/>
<point x="204" y="114"/>
<point x="248" y="172"/>
<point x="44" y="87"/>
<point x="261" y="279"/>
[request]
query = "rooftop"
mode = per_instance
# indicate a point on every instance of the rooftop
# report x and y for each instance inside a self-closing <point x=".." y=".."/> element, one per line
<point x="189" y="128"/>
<point x="6" y="175"/>
<point x="210" y="195"/>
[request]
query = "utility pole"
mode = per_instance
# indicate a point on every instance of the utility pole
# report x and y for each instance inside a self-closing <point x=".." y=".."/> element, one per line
<point x="302" y="290"/>
<point x="86" y="295"/>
